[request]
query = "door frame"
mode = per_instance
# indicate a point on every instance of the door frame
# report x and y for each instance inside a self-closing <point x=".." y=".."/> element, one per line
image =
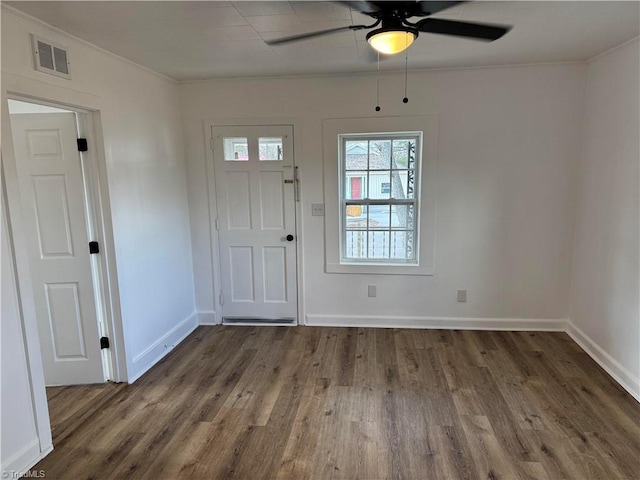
<point x="104" y="269"/>
<point x="208" y="126"/>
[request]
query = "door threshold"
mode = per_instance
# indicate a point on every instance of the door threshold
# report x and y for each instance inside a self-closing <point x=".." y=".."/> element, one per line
<point x="259" y="322"/>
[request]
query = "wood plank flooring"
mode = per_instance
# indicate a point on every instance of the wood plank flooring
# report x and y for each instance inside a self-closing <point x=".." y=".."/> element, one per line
<point x="352" y="403"/>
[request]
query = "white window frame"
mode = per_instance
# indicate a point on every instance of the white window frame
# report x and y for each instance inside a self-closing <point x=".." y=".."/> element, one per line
<point x="369" y="202"/>
<point x="426" y="221"/>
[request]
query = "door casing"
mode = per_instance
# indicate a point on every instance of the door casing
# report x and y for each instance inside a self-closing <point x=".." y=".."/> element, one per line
<point x="103" y="267"/>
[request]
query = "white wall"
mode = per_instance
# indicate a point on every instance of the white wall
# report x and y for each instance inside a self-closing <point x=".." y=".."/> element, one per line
<point x="140" y="119"/>
<point x="19" y="442"/>
<point x="605" y="304"/>
<point x="146" y="177"/>
<point x="509" y="143"/>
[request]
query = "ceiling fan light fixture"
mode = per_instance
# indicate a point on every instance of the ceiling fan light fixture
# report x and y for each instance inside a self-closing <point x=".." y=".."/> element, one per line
<point x="391" y="40"/>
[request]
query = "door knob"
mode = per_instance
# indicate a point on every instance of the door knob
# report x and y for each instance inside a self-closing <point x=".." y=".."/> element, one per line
<point x="289" y="238"/>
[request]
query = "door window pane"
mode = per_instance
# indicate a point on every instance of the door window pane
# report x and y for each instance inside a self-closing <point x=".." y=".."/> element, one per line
<point x="236" y="149"/>
<point x="270" y="148"/>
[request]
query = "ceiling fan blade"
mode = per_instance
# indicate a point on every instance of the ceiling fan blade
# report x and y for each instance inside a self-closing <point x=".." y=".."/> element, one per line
<point x="429" y="8"/>
<point x="479" y="31"/>
<point x="319" y="33"/>
<point x="362" y="6"/>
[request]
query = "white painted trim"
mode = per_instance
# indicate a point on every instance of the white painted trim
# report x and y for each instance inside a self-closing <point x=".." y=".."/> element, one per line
<point x="610" y="365"/>
<point x="22" y="275"/>
<point x="445" y="323"/>
<point x="208" y="318"/>
<point x="259" y="324"/>
<point x="157" y="350"/>
<point x="383" y="73"/>
<point x="22" y="460"/>
<point x="612" y="49"/>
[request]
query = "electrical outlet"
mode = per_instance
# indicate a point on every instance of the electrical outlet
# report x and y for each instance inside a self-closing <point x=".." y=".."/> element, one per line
<point x="371" y="291"/>
<point x="462" y="296"/>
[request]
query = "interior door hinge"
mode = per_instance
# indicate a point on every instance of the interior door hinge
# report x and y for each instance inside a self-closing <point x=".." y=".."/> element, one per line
<point x="217" y="224"/>
<point x="221" y="299"/>
<point x="94" y="247"/>
<point x="104" y="343"/>
<point x="211" y="141"/>
<point x="82" y="145"/>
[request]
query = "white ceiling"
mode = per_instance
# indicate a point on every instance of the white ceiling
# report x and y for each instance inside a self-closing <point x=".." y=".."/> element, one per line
<point x="200" y="39"/>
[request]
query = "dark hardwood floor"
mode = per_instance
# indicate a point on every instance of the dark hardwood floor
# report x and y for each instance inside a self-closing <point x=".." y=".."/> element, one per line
<point x="346" y="403"/>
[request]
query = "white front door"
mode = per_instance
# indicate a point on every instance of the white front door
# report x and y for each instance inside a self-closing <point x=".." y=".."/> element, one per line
<point x="255" y="192"/>
<point x="53" y="208"/>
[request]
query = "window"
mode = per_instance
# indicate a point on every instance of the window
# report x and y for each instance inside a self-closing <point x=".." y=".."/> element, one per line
<point x="410" y="222"/>
<point x="379" y="197"/>
<point x="236" y="149"/>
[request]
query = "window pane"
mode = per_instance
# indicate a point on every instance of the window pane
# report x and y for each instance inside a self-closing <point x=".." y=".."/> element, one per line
<point x="378" y="244"/>
<point x="236" y="149"/>
<point x="380" y="184"/>
<point x="380" y="155"/>
<point x="355" y="155"/>
<point x="403" y="184"/>
<point x="402" y="216"/>
<point x="355" y="244"/>
<point x="270" y="148"/>
<point x="402" y="245"/>
<point x="379" y="216"/>
<point x="356" y="217"/>
<point x="404" y="153"/>
<point x="355" y="187"/>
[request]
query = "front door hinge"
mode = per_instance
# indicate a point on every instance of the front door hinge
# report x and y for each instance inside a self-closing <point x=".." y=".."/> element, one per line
<point x="104" y="343"/>
<point x="221" y="298"/>
<point x="94" y="248"/>
<point x="82" y="145"/>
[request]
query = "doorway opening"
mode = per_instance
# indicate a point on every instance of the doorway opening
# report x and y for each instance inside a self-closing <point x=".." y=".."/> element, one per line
<point x="60" y="216"/>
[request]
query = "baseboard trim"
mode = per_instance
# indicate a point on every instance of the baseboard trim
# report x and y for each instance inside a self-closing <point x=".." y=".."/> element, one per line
<point x="208" y="318"/>
<point x="610" y="365"/>
<point x="445" y="323"/>
<point x="23" y="460"/>
<point x="155" y="352"/>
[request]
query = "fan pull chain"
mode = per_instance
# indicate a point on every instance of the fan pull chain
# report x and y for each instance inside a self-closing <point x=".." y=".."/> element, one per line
<point x="406" y="74"/>
<point x="378" y="86"/>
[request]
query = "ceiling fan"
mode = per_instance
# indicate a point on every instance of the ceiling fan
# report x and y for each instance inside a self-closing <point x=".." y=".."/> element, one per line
<point x="396" y="33"/>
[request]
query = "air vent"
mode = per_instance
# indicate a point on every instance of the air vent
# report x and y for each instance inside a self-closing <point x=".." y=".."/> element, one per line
<point x="49" y="57"/>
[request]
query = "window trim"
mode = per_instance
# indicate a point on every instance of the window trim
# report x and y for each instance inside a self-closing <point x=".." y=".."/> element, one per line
<point x="331" y="128"/>
<point x="343" y="138"/>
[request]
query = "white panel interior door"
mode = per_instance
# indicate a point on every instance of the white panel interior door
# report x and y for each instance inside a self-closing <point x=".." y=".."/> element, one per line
<point x="53" y="204"/>
<point x="255" y="193"/>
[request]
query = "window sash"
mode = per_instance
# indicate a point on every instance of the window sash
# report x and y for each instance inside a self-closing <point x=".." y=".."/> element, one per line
<point x="389" y="232"/>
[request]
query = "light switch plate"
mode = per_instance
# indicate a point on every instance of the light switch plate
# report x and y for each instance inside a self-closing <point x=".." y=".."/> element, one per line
<point x="317" y="209"/>
<point x="462" y="296"/>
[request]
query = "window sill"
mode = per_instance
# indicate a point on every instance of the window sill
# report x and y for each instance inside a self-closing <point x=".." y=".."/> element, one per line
<point x="378" y="269"/>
